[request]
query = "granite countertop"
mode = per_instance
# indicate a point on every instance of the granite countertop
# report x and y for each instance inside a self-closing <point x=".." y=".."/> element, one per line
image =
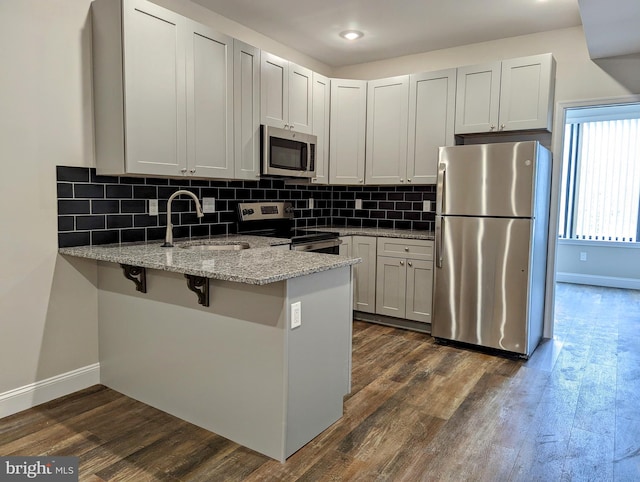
<point x="259" y="265"/>
<point x="381" y="232"/>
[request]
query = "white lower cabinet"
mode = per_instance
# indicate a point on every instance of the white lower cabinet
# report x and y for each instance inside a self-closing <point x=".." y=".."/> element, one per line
<point x="404" y="278"/>
<point x="345" y="247"/>
<point x="364" y="274"/>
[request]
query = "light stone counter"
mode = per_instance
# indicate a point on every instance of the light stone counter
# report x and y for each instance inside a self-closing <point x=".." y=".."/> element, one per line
<point x="259" y="265"/>
<point x="379" y="232"/>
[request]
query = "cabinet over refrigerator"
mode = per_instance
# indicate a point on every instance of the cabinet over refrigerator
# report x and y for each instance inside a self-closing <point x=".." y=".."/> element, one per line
<point x="492" y="216"/>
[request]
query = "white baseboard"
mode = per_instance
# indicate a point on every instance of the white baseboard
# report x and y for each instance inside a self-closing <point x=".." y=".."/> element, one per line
<point x="29" y="396"/>
<point x="589" y="279"/>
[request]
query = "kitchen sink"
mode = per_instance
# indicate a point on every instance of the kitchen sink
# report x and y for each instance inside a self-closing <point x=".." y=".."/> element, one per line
<point x="216" y="246"/>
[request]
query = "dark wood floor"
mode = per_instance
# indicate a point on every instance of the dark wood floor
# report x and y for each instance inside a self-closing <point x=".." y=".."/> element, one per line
<point x="418" y="411"/>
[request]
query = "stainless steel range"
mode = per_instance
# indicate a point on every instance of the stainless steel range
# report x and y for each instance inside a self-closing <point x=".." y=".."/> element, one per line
<point x="276" y="219"/>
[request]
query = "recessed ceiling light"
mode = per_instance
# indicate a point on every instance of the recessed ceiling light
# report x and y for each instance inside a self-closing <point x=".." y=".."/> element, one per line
<point x="351" y="34"/>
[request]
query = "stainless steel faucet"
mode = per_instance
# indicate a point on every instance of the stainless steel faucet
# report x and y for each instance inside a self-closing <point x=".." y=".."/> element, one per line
<point x="168" y="238"/>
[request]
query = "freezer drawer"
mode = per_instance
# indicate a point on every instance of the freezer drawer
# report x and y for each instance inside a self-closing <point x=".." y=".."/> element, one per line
<point x="481" y="281"/>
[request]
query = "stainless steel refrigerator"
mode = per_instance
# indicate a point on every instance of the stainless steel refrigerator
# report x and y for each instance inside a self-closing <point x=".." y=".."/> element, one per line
<point x="492" y="217"/>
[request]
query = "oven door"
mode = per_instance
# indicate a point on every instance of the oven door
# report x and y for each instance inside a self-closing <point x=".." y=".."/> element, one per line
<point x="328" y="246"/>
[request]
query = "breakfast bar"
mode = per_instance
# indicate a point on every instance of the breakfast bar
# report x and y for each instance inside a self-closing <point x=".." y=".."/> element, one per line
<point x="266" y="364"/>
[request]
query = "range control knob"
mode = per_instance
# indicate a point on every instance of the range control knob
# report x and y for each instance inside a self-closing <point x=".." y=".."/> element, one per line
<point x="245" y="212"/>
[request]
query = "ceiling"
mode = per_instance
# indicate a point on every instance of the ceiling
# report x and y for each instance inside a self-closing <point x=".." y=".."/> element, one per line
<point x="612" y="28"/>
<point x="393" y="28"/>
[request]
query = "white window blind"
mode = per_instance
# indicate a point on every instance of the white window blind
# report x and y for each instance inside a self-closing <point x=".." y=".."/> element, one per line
<point x="601" y="181"/>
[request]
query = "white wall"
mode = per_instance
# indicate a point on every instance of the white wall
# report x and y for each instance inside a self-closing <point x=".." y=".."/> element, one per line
<point x="605" y="265"/>
<point x="48" y="305"/>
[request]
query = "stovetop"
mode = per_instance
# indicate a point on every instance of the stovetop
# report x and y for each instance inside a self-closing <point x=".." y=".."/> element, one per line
<point x="275" y="219"/>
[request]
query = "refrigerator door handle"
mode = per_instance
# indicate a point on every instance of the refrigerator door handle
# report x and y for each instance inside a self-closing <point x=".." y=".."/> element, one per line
<point x="441" y="189"/>
<point x="439" y="233"/>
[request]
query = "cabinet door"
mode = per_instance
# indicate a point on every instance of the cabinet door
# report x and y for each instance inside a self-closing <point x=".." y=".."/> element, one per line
<point x="345" y="247"/>
<point x="274" y="90"/>
<point x="155" y="104"/>
<point x="387" y="118"/>
<point x="391" y="286"/>
<point x="209" y="102"/>
<point x="432" y="97"/>
<point x="526" y="93"/>
<point x="300" y="98"/>
<point x="419" y="290"/>
<point x="246" y="112"/>
<point x="478" y="98"/>
<point x="347" y="131"/>
<point x="364" y="278"/>
<point x="321" y="96"/>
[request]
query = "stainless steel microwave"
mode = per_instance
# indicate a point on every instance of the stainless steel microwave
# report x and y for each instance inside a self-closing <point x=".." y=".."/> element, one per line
<point x="288" y="153"/>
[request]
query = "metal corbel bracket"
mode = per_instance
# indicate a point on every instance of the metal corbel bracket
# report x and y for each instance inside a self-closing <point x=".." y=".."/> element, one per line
<point x="200" y="286"/>
<point x="136" y="274"/>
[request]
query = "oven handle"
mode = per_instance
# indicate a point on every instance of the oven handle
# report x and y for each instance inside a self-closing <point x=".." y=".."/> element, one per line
<point x="331" y="243"/>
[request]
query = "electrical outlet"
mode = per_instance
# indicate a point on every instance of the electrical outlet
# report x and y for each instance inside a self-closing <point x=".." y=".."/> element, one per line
<point x="311" y="203"/>
<point x="358" y="203"/>
<point x="208" y="205"/>
<point x="583" y="255"/>
<point x="296" y="314"/>
<point x="153" y="207"/>
<point x="426" y="206"/>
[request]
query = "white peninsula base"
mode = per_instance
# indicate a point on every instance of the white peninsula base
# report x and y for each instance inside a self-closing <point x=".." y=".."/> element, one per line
<point x="236" y="368"/>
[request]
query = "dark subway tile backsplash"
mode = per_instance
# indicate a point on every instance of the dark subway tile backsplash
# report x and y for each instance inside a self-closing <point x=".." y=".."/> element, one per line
<point x="94" y="209"/>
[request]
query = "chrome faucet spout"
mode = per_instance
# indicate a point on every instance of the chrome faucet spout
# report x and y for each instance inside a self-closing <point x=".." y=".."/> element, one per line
<point x="168" y="238"/>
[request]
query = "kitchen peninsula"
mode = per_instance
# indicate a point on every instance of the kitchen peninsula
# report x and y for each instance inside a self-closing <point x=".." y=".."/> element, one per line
<point x="235" y="367"/>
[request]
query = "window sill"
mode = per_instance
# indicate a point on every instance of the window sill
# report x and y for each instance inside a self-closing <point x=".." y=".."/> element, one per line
<point x="601" y="244"/>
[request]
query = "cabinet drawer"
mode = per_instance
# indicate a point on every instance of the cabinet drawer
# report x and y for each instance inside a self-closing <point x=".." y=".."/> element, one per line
<point x="403" y="248"/>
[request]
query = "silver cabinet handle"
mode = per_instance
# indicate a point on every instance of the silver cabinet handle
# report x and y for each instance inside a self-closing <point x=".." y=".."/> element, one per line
<point x="502" y="126"/>
<point x="401" y="263"/>
<point x="192" y="171"/>
<point x="406" y="248"/>
<point x="408" y="179"/>
<point x="401" y="179"/>
<point x="361" y="180"/>
<point x="492" y="127"/>
<point x="183" y="170"/>
<point x="410" y="263"/>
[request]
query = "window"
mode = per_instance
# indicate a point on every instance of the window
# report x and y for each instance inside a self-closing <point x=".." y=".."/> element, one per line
<point x="601" y="174"/>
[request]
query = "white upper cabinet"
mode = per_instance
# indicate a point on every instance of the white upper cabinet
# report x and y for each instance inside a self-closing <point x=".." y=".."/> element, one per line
<point x="347" y="131"/>
<point x="246" y="66"/>
<point x="527" y="93"/>
<point x="163" y="92"/>
<point x="387" y="117"/>
<point x="286" y="94"/>
<point x="515" y="94"/>
<point x="478" y="98"/>
<point x="321" y="103"/>
<point x="209" y="70"/>
<point x="432" y="97"/>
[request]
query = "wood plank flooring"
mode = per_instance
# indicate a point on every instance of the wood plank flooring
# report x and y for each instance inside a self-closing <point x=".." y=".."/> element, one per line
<point x="418" y="411"/>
